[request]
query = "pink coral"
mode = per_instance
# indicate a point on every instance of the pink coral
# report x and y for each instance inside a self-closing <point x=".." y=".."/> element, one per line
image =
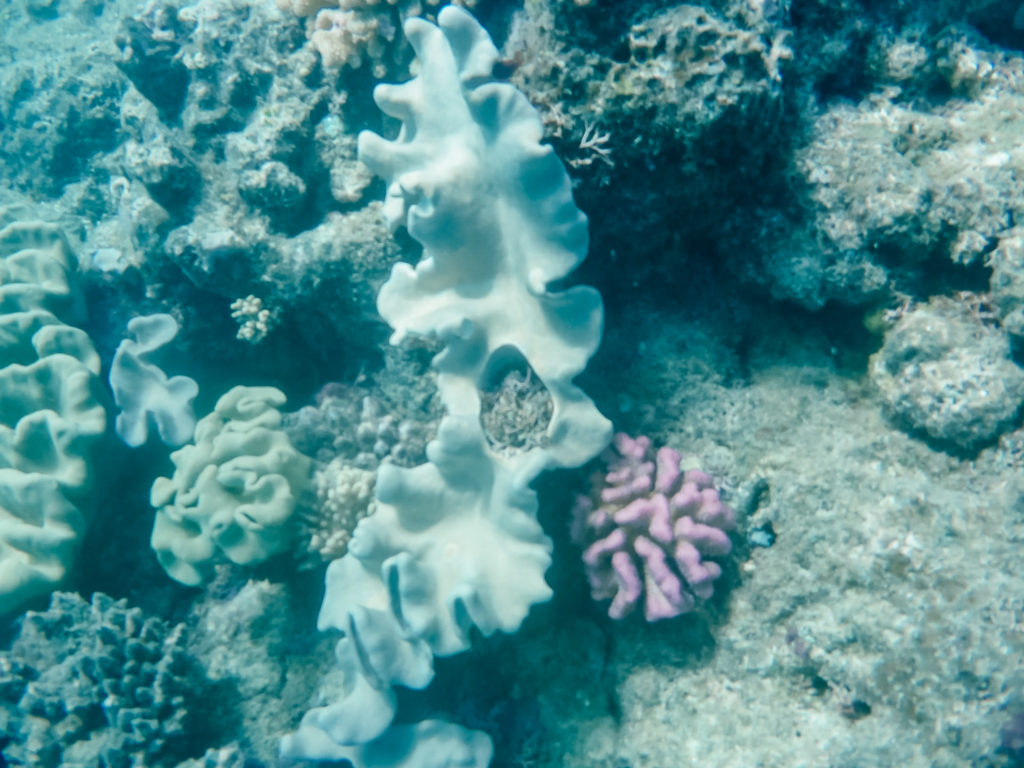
<point x="647" y="529"/>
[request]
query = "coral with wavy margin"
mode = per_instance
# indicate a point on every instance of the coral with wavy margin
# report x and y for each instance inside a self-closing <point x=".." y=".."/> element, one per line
<point x="50" y="415"/>
<point x="454" y="544"/>
<point x="233" y="491"/>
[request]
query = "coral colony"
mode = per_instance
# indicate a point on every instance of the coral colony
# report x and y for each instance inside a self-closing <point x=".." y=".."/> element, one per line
<point x="454" y="543"/>
<point x="807" y="232"/>
<point x="648" y="530"/>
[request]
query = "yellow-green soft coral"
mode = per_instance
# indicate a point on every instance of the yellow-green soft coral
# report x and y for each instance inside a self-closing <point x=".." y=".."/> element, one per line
<point x="50" y="416"/>
<point x="233" y="491"/>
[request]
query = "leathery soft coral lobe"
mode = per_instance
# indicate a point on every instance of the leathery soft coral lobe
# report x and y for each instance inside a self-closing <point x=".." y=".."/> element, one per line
<point x="647" y="528"/>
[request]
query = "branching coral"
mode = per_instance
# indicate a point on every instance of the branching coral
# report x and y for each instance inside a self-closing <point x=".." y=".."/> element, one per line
<point x="344" y="496"/>
<point x="648" y="528"/>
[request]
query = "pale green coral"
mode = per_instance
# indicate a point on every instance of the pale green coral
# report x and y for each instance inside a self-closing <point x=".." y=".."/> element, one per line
<point x="50" y="416"/>
<point x="233" y="491"/>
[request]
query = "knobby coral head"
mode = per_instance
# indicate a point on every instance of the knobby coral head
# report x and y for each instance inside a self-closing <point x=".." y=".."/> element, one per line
<point x="647" y="528"/>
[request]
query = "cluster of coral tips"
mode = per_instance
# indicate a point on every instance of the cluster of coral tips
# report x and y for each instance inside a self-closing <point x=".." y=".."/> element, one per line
<point x="647" y="528"/>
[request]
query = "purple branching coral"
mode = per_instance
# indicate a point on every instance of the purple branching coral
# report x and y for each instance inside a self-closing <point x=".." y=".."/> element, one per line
<point x="646" y="529"/>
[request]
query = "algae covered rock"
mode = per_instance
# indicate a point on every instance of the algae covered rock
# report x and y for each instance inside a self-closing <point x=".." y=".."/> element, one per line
<point x="945" y="372"/>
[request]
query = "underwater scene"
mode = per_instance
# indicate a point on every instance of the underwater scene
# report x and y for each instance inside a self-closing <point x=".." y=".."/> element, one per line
<point x="511" y="383"/>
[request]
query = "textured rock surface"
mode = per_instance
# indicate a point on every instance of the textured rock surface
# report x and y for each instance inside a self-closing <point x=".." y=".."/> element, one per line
<point x="881" y="624"/>
<point x="946" y="373"/>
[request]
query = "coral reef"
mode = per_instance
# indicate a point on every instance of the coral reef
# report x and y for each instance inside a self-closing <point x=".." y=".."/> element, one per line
<point x="227" y="160"/>
<point x="702" y="79"/>
<point x="250" y="638"/>
<point x="357" y="33"/>
<point x="516" y="412"/>
<point x="671" y="69"/>
<point x="75" y="92"/>
<point x="1007" y="283"/>
<point x="344" y="496"/>
<point x="454" y="544"/>
<point x="350" y="423"/>
<point x="647" y="530"/>
<point x="892" y="184"/>
<point x="255" y="321"/>
<point x="805" y="226"/>
<point x="350" y="431"/>
<point x="224" y="757"/>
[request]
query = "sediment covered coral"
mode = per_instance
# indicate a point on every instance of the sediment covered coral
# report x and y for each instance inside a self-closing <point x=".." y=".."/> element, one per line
<point x="893" y="185"/>
<point x="1007" y="283"/>
<point x="947" y="374"/>
<point x="96" y="685"/>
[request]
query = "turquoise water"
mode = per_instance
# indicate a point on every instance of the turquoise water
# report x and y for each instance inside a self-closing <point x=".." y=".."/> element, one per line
<point x="630" y="385"/>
